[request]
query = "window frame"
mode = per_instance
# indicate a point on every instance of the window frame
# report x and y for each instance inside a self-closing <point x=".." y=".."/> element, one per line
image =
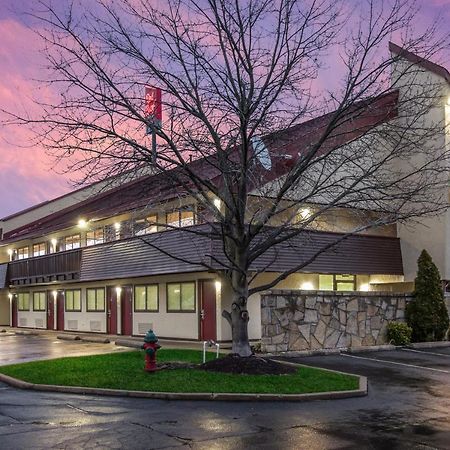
<point x="39" y="244"/>
<point x="146" y="298"/>
<point x="18" y="301"/>
<point x="96" y="289"/>
<point x="150" y="222"/>
<point x="337" y="282"/>
<point x="179" y="212"/>
<point x="27" y="247"/>
<point x="188" y="311"/>
<point x="65" y="301"/>
<point x="45" y="301"/>
<point x="96" y="241"/>
<point x="72" y="236"/>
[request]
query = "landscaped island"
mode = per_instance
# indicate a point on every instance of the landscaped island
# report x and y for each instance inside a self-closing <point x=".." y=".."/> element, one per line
<point x="124" y="370"/>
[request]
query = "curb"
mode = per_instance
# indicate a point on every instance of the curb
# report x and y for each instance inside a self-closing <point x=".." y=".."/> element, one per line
<point x="429" y="344"/>
<point x="372" y="348"/>
<point x="68" y="337"/>
<point x="97" y="340"/>
<point x="27" y="333"/>
<point x="333" y="395"/>
<point x="128" y="343"/>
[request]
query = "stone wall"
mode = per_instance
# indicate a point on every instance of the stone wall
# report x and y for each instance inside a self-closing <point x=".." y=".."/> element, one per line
<point x="301" y="320"/>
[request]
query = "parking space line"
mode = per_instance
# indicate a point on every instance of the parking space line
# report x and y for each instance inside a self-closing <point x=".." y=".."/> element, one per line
<point x="426" y="353"/>
<point x="396" y="363"/>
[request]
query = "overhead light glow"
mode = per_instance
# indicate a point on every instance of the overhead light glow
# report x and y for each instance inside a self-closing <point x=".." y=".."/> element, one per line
<point x="118" y="290"/>
<point x="10" y="252"/>
<point x="54" y="242"/>
<point x="55" y="294"/>
<point x="82" y="223"/>
<point x="305" y="213"/>
<point x="217" y="203"/>
<point x="117" y="226"/>
<point x="218" y="285"/>
<point x="307" y="286"/>
<point x="364" y="287"/>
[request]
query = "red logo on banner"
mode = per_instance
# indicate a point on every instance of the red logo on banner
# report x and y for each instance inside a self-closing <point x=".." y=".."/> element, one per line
<point x="153" y="107"/>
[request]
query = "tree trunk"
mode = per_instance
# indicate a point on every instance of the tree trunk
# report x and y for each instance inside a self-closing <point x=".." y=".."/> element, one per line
<point x="238" y="320"/>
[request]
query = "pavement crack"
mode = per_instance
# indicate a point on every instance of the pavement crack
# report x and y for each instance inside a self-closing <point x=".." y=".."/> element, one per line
<point x="183" y="440"/>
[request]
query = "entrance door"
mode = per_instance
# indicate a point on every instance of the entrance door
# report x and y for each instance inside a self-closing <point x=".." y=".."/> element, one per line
<point x="50" y="311"/>
<point x="14" y="310"/>
<point x="60" y="311"/>
<point x="207" y="310"/>
<point x="126" y="307"/>
<point x="111" y="310"/>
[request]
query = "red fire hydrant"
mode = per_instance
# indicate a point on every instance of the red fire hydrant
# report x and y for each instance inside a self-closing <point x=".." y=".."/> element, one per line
<point x="150" y="346"/>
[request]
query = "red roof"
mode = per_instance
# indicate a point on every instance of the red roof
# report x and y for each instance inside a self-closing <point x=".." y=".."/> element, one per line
<point x="284" y="147"/>
<point x="422" y="62"/>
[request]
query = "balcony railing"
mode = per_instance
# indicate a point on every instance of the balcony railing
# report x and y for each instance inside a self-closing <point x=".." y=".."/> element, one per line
<point x="64" y="264"/>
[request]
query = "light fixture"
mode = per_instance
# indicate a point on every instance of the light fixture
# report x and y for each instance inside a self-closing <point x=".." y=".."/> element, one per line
<point x="82" y="223"/>
<point x="217" y="203"/>
<point x="54" y="242"/>
<point x="10" y="296"/>
<point x="55" y="294"/>
<point x="118" y="290"/>
<point x="218" y="285"/>
<point x="10" y="252"/>
<point x="305" y="213"/>
<point x="364" y="287"/>
<point x="117" y="226"/>
<point x="307" y="286"/>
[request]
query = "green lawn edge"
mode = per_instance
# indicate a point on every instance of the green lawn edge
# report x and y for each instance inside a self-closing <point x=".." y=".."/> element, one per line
<point x="124" y="371"/>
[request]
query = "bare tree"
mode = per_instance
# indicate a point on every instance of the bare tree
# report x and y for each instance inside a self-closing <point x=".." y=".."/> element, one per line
<point x="240" y="97"/>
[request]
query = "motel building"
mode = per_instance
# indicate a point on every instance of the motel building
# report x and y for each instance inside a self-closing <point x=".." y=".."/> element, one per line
<point x="97" y="260"/>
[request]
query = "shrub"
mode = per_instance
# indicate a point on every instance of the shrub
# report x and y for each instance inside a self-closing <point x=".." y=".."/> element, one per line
<point x="426" y="314"/>
<point x="399" y="333"/>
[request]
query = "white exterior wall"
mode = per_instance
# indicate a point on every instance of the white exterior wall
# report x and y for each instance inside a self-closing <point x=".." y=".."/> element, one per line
<point x="429" y="233"/>
<point x="32" y="319"/>
<point x="93" y="322"/>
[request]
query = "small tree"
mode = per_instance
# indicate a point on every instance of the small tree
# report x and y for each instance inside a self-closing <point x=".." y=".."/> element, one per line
<point x="427" y="314"/>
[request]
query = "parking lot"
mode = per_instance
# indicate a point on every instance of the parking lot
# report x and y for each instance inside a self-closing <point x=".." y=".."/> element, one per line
<point x="408" y="407"/>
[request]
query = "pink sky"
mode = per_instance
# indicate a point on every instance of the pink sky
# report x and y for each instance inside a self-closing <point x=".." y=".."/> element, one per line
<point x="27" y="176"/>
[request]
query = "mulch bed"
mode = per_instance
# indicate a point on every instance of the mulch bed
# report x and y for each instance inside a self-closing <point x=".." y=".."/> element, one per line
<point x="252" y="365"/>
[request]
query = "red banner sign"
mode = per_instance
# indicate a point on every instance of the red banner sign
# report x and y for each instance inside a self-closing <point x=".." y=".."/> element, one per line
<point x="153" y="106"/>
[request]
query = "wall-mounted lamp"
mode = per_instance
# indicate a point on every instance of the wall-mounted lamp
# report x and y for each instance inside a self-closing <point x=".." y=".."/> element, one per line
<point x="10" y="296"/>
<point x="307" y="286"/>
<point x="55" y="294"/>
<point x="218" y="285"/>
<point x="118" y="291"/>
<point x="82" y="223"/>
<point x="305" y="213"/>
<point x="217" y="203"/>
<point x="364" y="287"/>
<point x="117" y="226"/>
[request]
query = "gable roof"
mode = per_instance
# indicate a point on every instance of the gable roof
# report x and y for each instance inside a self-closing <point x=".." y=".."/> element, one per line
<point x="285" y="147"/>
<point x="422" y="62"/>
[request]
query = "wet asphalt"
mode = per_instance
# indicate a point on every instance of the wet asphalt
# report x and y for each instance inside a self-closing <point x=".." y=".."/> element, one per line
<point x="408" y="407"/>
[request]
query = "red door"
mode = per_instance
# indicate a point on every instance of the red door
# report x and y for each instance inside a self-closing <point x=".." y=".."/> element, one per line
<point x="126" y="307"/>
<point x="14" y="310"/>
<point x="50" y="311"/>
<point x="207" y="290"/>
<point x="111" y="310"/>
<point x="60" y="311"/>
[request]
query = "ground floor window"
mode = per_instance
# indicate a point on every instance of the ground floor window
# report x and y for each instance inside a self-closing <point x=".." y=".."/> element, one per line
<point x="23" y="301"/>
<point x="73" y="300"/>
<point x="181" y="297"/>
<point x="337" y="282"/>
<point x="95" y="299"/>
<point x="39" y="301"/>
<point x="146" y="298"/>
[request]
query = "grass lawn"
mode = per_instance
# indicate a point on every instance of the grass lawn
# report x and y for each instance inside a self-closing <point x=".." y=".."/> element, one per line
<point x="124" y="370"/>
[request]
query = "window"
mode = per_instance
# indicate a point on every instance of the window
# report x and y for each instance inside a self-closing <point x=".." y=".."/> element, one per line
<point x="326" y="282"/>
<point x="38" y="301"/>
<point x="345" y="282"/>
<point x="182" y="218"/>
<point x="39" y="249"/>
<point x="146" y="298"/>
<point x="72" y="242"/>
<point x="181" y="297"/>
<point x="95" y="299"/>
<point x="95" y="237"/>
<point x="146" y="226"/>
<point x="337" y="282"/>
<point x="22" y="253"/>
<point x="23" y="301"/>
<point x="73" y="300"/>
